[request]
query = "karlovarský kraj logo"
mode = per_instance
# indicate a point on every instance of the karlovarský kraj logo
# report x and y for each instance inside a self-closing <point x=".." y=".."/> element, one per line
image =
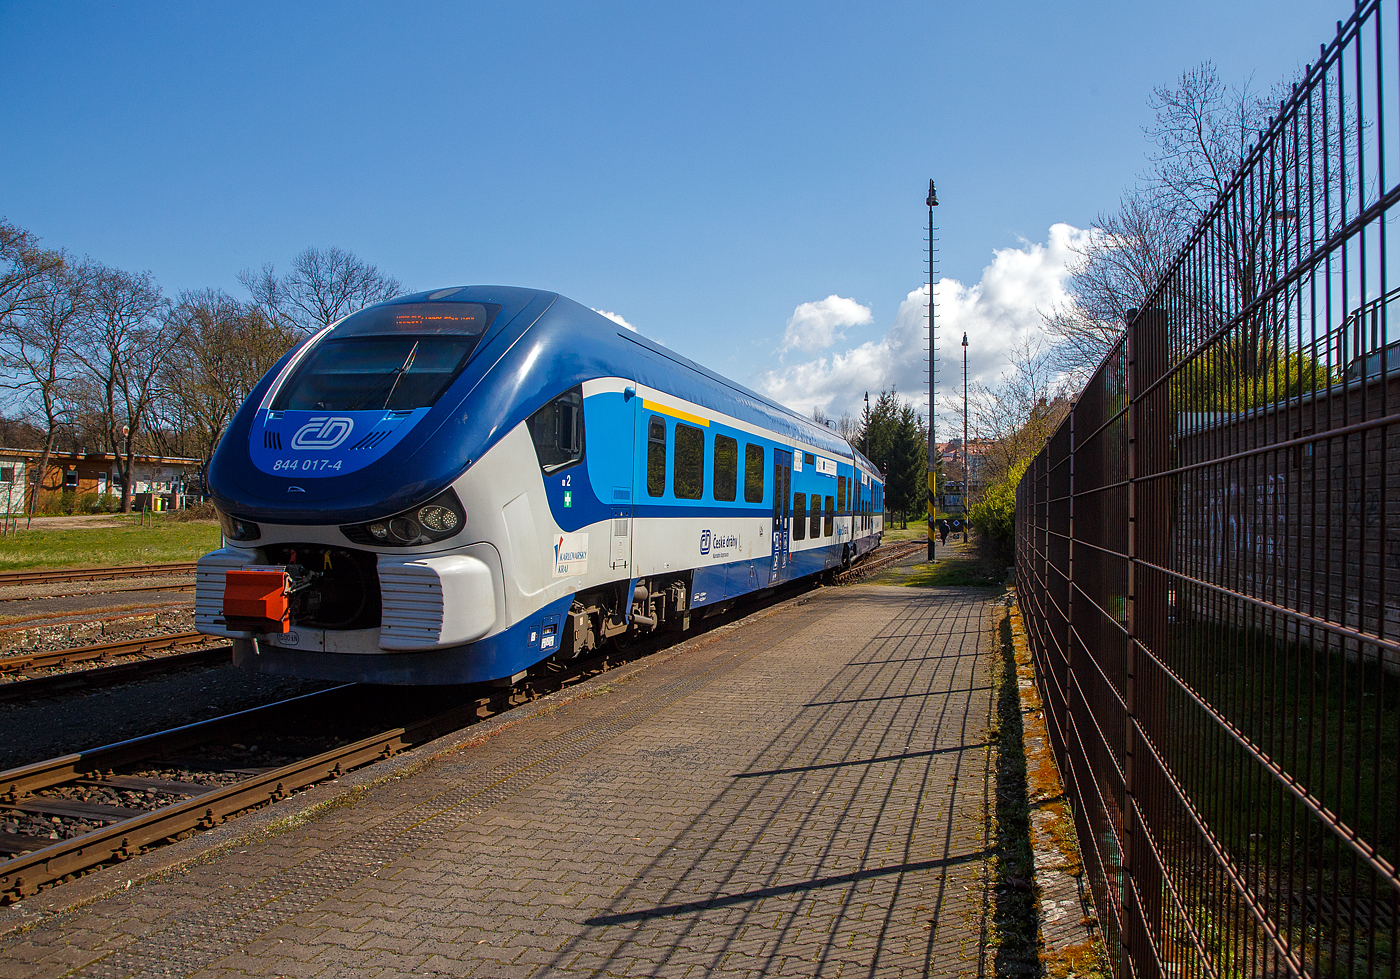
<point x="323" y="432"/>
<point x="570" y="554"/>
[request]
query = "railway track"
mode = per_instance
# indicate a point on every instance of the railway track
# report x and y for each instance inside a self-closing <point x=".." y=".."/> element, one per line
<point x="880" y="558"/>
<point x="185" y="586"/>
<point x="103" y="676"/>
<point x="192" y="795"/>
<point x="169" y="795"/>
<point x="101" y="651"/>
<point x="95" y="574"/>
<point x="25" y="688"/>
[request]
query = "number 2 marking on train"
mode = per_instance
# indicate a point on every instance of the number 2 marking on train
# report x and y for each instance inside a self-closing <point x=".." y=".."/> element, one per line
<point x="567" y="480"/>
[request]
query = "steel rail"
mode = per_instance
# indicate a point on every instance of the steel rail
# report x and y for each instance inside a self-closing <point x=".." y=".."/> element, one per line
<point x="101" y="676"/>
<point x="181" y="586"/>
<point x="100" y="651"/>
<point x="22" y="875"/>
<point x="27" y="779"/>
<point x="874" y="560"/>
<point x="94" y="574"/>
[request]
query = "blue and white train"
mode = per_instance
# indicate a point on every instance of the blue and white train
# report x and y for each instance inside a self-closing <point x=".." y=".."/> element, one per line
<point x="458" y="485"/>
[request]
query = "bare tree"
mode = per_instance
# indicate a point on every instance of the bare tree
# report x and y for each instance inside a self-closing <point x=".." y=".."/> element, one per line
<point x="227" y="347"/>
<point x="23" y="264"/>
<point x="124" y="344"/>
<point x="1126" y="256"/>
<point x="324" y="285"/>
<point x="1202" y="133"/>
<point x="1016" y="415"/>
<point x="35" y="346"/>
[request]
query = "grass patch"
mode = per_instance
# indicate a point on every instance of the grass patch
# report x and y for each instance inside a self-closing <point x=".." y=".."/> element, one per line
<point x="915" y="531"/>
<point x="167" y="539"/>
<point x="955" y="571"/>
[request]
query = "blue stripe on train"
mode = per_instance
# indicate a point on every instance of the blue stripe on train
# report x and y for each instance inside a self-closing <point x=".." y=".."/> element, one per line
<point x="502" y="655"/>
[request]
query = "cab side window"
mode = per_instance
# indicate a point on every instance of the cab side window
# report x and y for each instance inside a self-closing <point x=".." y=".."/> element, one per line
<point x="753" y="474"/>
<point x="557" y="431"/>
<point x="656" y="456"/>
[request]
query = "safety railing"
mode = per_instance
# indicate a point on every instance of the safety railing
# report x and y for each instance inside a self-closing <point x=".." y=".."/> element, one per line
<point x="1208" y="564"/>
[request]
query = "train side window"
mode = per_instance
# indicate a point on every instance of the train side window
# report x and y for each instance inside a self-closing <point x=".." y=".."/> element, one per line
<point x="816" y="512"/>
<point x="656" y="456"/>
<point x="690" y="462"/>
<point x="808" y="459"/>
<point x="726" y="485"/>
<point x="557" y="431"/>
<point x="753" y="474"/>
<point x="841" y="494"/>
<point x="830" y="527"/>
<point x="799" y="516"/>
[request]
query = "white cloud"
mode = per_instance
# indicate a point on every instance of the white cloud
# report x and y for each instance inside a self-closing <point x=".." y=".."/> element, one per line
<point x="996" y="313"/>
<point x="615" y="318"/>
<point x="815" y="326"/>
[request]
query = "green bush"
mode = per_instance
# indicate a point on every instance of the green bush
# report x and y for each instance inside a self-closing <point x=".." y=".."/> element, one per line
<point x="994" y="516"/>
<point x="98" y="503"/>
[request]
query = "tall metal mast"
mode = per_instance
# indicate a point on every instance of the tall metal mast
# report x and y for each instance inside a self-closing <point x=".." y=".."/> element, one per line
<point x="932" y="202"/>
<point x="967" y="459"/>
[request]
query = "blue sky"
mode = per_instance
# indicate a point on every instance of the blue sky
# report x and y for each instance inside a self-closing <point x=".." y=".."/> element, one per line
<point x="709" y="172"/>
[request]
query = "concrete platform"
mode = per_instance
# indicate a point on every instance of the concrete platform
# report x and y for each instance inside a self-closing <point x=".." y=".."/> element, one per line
<point x="803" y="793"/>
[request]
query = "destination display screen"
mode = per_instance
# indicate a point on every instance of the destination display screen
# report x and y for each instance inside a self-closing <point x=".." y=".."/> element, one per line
<point x="470" y="319"/>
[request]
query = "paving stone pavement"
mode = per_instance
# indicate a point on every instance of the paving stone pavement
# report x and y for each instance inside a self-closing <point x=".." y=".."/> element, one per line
<point x="803" y="793"/>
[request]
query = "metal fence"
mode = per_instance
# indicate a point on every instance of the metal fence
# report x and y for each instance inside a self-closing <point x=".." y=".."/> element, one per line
<point x="1208" y="563"/>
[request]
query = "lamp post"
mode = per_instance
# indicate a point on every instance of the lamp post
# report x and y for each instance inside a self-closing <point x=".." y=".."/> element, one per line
<point x="867" y="424"/>
<point x="932" y="502"/>
<point x="967" y="459"/>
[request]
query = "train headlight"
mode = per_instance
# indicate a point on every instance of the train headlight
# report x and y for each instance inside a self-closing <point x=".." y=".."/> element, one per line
<point x="236" y="529"/>
<point x="405" y="530"/>
<point x="439" y="518"/>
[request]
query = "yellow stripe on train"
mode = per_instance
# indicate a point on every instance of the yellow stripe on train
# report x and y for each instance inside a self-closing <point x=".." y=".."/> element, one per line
<point x="675" y="413"/>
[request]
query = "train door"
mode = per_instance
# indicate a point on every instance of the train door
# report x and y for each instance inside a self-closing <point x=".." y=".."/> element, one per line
<point x="782" y="510"/>
<point x="620" y="552"/>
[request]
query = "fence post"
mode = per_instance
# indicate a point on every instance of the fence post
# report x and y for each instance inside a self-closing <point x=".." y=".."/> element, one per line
<point x="1066" y="684"/>
<point x="1149" y="505"/>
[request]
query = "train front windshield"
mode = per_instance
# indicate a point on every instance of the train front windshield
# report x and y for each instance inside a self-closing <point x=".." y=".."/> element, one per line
<point x="395" y="358"/>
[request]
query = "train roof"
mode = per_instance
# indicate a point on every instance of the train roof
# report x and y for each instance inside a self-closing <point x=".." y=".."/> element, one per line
<point x="565" y="316"/>
<point x="537" y="343"/>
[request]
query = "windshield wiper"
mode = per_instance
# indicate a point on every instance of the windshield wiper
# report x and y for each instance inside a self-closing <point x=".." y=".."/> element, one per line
<point x="374" y="388"/>
<point x="398" y="374"/>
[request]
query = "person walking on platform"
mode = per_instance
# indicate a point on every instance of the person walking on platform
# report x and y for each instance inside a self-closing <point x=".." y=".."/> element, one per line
<point x="943" y="530"/>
